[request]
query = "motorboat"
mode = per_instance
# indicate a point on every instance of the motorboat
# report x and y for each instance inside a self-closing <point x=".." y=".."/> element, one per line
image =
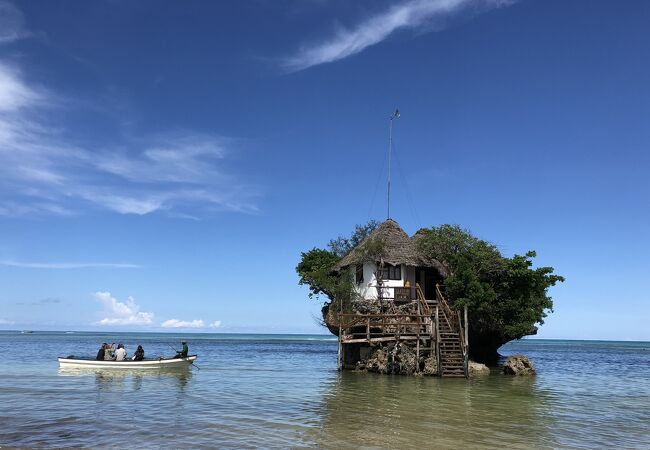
<point x="72" y="362"/>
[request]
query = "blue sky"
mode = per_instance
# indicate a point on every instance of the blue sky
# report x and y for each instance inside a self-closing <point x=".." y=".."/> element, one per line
<point x="163" y="164"/>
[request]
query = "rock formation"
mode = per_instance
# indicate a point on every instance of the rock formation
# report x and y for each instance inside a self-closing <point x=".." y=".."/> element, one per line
<point x="518" y="365"/>
<point x="478" y="369"/>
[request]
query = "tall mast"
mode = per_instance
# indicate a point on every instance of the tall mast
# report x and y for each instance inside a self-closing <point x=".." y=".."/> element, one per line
<point x="393" y="116"/>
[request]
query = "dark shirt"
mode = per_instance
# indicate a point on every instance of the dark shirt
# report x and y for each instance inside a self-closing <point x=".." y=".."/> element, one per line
<point x="100" y="354"/>
<point x="139" y="355"/>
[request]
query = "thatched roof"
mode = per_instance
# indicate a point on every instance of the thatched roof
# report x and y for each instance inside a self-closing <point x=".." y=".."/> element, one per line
<point x="388" y="243"/>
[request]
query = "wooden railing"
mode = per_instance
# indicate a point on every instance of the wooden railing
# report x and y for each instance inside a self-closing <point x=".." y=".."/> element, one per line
<point x="448" y="314"/>
<point x="376" y="326"/>
<point x="438" y="364"/>
<point x="454" y="318"/>
<point x="422" y="300"/>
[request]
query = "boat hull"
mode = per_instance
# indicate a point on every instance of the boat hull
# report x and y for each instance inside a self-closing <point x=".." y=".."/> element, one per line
<point x="170" y="363"/>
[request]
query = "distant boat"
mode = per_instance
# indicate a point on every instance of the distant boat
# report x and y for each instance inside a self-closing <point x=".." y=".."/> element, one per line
<point x="26" y="332"/>
<point x="71" y="362"/>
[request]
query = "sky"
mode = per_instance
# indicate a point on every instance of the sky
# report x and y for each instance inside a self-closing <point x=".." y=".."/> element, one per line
<point x="163" y="164"/>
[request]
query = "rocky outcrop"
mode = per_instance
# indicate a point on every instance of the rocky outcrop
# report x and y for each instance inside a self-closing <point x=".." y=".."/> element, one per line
<point x="518" y="365"/>
<point x="395" y="358"/>
<point x="478" y="369"/>
<point x="430" y="366"/>
<point x="367" y="306"/>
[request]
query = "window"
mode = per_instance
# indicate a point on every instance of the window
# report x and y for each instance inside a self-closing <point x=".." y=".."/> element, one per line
<point x="358" y="275"/>
<point x="390" y="272"/>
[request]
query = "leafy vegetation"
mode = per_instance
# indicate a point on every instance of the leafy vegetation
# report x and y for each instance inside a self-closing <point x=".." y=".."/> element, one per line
<point x="342" y="245"/>
<point x="316" y="270"/>
<point x="506" y="297"/>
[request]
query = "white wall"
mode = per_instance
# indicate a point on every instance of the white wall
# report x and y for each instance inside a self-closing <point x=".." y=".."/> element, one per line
<point x="368" y="289"/>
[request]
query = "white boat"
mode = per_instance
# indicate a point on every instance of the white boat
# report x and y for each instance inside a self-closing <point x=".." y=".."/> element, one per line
<point x="159" y="363"/>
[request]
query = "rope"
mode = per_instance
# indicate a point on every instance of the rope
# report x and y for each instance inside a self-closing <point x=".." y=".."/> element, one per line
<point x="409" y="195"/>
<point x="374" y="194"/>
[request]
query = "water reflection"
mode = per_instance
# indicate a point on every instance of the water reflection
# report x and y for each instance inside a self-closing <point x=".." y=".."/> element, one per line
<point x="361" y="410"/>
<point x="110" y="380"/>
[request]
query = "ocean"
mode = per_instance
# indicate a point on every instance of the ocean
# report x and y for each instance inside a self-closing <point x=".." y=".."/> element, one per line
<point x="283" y="391"/>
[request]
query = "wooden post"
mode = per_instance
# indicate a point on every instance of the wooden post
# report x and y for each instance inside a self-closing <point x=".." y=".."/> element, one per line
<point x="438" y="343"/>
<point x="417" y="353"/>
<point x="368" y="329"/>
<point x="466" y="327"/>
<point x="340" y="366"/>
<point x="466" y="344"/>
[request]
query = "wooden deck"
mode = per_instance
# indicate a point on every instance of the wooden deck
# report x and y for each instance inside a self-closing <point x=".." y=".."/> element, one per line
<point x="436" y="330"/>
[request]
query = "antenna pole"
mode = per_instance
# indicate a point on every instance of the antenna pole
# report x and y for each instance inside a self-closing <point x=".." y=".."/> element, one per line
<point x="395" y="115"/>
<point x="390" y="151"/>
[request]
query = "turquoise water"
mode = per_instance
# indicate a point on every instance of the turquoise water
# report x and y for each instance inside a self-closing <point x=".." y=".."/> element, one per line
<point x="283" y="391"/>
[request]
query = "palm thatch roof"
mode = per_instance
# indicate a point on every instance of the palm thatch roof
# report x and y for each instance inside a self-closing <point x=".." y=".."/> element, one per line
<point x="388" y="243"/>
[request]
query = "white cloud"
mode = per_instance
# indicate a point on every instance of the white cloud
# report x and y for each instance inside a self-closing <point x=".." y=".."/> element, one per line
<point x="43" y="172"/>
<point x="121" y="313"/>
<point x="197" y="323"/>
<point x="124" y="204"/>
<point x="51" y="265"/>
<point x="175" y="323"/>
<point x="14" y="93"/>
<point x="412" y="14"/>
<point x="6" y="322"/>
<point x="12" y="23"/>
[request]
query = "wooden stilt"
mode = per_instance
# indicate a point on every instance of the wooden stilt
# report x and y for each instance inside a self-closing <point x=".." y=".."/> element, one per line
<point x="466" y="328"/>
<point x="417" y="355"/>
<point x="339" y="361"/>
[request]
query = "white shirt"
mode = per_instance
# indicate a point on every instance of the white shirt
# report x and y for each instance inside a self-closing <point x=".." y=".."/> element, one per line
<point x="120" y="354"/>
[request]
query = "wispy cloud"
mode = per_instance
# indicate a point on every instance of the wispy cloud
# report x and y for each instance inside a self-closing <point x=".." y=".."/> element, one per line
<point x="12" y="23"/>
<point x="50" y="265"/>
<point x="6" y="322"/>
<point x="44" y="170"/>
<point x="47" y="301"/>
<point x="412" y="14"/>
<point x="175" y="323"/>
<point x="198" y="323"/>
<point x="41" y="302"/>
<point x="121" y="313"/>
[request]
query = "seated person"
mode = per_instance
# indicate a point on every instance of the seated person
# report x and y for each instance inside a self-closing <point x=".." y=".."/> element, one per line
<point x="183" y="353"/>
<point x="120" y="353"/>
<point x="108" y="352"/>
<point x="139" y="354"/>
<point x="100" y="353"/>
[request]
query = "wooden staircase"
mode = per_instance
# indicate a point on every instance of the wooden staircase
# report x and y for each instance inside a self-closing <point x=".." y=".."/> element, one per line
<point x="452" y="350"/>
<point x="452" y="358"/>
<point x="434" y="328"/>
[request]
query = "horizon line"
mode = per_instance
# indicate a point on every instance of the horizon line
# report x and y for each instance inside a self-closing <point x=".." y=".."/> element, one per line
<point x="298" y="334"/>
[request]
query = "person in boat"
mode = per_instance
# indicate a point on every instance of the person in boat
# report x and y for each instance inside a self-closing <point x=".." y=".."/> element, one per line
<point x="139" y="354"/>
<point x="108" y="352"/>
<point x="100" y="353"/>
<point x="183" y="353"/>
<point x="120" y="353"/>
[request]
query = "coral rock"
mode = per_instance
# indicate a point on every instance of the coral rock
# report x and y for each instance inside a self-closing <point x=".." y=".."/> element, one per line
<point x="518" y="365"/>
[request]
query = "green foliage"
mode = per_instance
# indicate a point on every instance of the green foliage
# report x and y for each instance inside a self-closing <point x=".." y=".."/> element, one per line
<point x="506" y="297"/>
<point x="316" y="269"/>
<point x="341" y="246"/>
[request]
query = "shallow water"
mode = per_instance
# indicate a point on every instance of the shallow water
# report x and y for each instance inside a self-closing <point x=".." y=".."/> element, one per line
<point x="284" y="392"/>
